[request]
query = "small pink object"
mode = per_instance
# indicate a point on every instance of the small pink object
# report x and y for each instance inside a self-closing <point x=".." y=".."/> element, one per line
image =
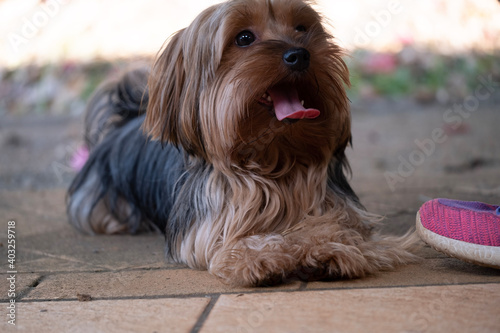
<point x="466" y="230"/>
<point x="79" y="158"/>
<point x="406" y="39"/>
<point x="380" y="63"/>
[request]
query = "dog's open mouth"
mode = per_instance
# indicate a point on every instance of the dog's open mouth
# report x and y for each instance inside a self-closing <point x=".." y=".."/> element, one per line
<point x="285" y="101"/>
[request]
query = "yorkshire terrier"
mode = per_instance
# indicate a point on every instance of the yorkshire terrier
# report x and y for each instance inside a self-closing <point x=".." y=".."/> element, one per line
<point x="239" y="157"/>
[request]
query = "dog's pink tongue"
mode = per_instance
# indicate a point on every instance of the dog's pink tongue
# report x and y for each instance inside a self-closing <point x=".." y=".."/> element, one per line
<point x="287" y="104"/>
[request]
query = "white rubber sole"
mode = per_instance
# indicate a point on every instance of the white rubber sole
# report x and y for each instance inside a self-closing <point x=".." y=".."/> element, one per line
<point x="482" y="255"/>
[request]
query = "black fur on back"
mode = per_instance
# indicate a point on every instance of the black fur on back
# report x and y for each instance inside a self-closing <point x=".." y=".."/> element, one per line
<point x="115" y="103"/>
<point x="124" y="166"/>
<point x="141" y="172"/>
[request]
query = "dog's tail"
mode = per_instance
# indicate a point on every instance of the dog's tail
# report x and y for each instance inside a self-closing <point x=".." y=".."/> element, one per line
<point x="115" y="103"/>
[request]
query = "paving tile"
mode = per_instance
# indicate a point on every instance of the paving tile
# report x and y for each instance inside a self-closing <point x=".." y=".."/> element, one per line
<point x="138" y="283"/>
<point x="22" y="284"/>
<point x="447" y="271"/>
<point x="33" y="211"/>
<point x="69" y="251"/>
<point x="47" y="243"/>
<point x="143" y="315"/>
<point x="463" y="308"/>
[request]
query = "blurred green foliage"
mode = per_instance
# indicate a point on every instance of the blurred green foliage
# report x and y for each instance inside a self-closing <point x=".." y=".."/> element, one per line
<point x="416" y="74"/>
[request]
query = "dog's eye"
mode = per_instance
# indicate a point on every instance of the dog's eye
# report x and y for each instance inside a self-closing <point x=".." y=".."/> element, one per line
<point x="300" y="28"/>
<point x="245" y="38"/>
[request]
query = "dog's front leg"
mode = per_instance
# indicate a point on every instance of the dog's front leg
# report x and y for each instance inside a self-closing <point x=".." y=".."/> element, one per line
<point x="256" y="260"/>
<point x="333" y="250"/>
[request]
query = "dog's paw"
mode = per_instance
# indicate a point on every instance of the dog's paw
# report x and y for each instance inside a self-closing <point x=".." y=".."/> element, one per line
<point x="334" y="260"/>
<point x="260" y="268"/>
<point x="360" y="258"/>
<point x="250" y="265"/>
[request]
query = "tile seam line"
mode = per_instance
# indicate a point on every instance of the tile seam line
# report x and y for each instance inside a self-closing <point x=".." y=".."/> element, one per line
<point x="29" y="289"/>
<point x="49" y="273"/>
<point x="478" y="283"/>
<point x="205" y="314"/>
<point x="211" y="295"/>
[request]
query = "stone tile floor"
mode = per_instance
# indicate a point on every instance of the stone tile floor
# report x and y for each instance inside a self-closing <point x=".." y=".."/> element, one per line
<point x="132" y="288"/>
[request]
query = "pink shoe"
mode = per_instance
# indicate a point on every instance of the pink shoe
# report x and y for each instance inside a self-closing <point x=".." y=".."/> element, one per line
<point x="469" y="231"/>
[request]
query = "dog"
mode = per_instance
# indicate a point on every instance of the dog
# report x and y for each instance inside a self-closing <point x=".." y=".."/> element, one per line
<point x="233" y="145"/>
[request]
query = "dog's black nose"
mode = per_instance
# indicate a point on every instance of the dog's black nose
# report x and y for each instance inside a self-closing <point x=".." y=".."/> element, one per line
<point x="297" y="59"/>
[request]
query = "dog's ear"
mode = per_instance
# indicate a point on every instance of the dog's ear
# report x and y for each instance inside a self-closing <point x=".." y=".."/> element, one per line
<point x="178" y="79"/>
<point x="164" y="85"/>
<point x="170" y="115"/>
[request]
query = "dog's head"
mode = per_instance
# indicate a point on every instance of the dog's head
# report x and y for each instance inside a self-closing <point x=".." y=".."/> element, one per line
<point x="252" y="84"/>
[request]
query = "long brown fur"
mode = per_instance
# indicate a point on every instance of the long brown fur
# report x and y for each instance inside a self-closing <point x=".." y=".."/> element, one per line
<point x="271" y="207"/>
<point x="203" y="94"/>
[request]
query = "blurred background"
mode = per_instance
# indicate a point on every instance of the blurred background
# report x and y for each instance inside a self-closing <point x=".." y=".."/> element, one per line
<point x="404" y="57"/>
<point x="54" y="52"/>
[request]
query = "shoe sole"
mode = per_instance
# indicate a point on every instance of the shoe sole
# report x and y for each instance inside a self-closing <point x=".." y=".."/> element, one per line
<point x="482" y="255"/>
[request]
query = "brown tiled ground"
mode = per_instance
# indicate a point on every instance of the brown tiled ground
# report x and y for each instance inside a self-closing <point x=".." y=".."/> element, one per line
<point x="134" y="289"/>
<point x="139" y="315"/>
<point x="415" y="309"/>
